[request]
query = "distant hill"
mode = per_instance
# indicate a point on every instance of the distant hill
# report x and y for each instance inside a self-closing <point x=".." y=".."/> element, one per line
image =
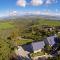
<point x="32" y="17"/>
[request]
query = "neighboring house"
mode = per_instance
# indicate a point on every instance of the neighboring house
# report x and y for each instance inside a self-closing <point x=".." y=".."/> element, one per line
<point x="21" y="52"/>
<point x="38" y="46"/>
<point x="50" y="40"/>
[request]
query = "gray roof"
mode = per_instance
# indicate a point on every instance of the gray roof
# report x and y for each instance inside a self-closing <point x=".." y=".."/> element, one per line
<point x="51" y="40"/>
<point x="38" y="45"/>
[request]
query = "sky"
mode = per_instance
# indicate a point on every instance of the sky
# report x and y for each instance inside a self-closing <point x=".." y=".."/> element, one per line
<point x="29" y="7"/>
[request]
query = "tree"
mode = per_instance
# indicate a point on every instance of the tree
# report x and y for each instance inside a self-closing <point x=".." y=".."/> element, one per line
<point x="47" y="48"/>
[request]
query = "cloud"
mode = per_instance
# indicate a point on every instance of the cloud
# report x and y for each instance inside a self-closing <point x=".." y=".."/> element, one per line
<point x="42" y="2"/>
<point x="50" y="13"/>
<point x="9" y="13"/>
<point x="50" y="1"/>
<point x="13" y="13"/>
<point x="32" y="12"/>
<point x="37" y="2"/>
<point x="21" y="13"/>
<point x="21" y="3"/>
<point x="36" y="12"/>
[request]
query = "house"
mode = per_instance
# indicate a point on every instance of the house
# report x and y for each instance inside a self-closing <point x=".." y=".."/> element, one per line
<point x="50" y="40"/>
<point x="47" y="28"/>
<point x="38" y="46"/>
<point x="34" y="47"/>
<point x="28" y="47"/>
<point x="21" y="52"/>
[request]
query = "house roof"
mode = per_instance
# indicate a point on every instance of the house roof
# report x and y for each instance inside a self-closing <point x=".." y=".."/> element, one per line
<point x="28" y="47"/>
<point x="34" y="46"/>
<point x="51" y="40"/>
<point x="21" y="52"/>
<point x="38" y="45"/>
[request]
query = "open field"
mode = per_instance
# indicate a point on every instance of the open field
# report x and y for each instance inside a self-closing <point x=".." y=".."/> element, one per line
<point x="22" y="42"/>
<point x="49" y="22"/>
<point x="6" y="25"/>
<point x="20" y="23"/>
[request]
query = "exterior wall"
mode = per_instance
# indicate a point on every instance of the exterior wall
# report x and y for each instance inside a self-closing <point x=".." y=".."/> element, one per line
<point x="37" y="51"/>
<point x="50" y="29"/>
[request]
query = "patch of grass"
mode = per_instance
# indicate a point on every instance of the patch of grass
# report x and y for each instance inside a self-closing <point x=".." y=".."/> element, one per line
<point x="36" y="54"/>
<point x="6" y="25"/>
<point x="49" y="22"/>
<point x="4" y="50"/>
<point x="22" y="42"/>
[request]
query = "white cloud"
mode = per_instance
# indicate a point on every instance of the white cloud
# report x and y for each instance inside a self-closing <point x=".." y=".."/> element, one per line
<point x="33" y="12"/>
<point x="9" y="13"/>
<point x="50" y="1"/>
<point x="36" y="12"/>
<point x="49" y="13"/>
<point x="13" y="13"/>
<point x="30" y="13"/>
<point x="21" y="3"/>
<point x="37" y="2"/>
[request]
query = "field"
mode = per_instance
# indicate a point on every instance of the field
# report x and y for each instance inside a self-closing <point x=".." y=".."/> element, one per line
<point x="49" y="22"/>
<point x="6" y="25"/>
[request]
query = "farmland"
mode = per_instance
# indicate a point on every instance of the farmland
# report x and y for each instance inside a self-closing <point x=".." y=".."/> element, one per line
<point x="10" y="24"/>
<point x="49" y="22"/>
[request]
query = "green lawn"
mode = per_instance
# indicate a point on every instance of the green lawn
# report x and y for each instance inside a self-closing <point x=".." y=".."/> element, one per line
<point x="49" y="22"/>
<point x="5" y="25"/>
